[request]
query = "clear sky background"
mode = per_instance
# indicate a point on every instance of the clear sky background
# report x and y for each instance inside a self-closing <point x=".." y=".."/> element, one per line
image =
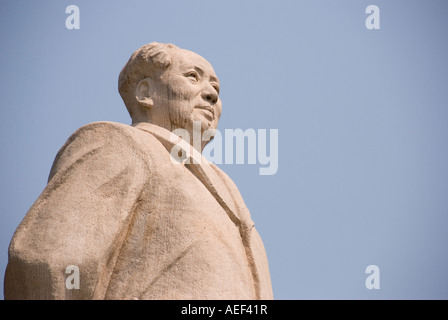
<point x="362" y="117"/>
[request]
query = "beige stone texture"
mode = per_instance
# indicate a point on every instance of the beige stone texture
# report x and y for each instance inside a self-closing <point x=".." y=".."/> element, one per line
<point x="138" y="224"/>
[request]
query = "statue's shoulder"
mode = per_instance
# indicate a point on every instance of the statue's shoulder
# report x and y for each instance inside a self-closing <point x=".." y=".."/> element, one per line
<point x="107" y="132"/>
<point x="109" y="135"/>
<point x="103" y="137"/>
<point x="103" y="129"/>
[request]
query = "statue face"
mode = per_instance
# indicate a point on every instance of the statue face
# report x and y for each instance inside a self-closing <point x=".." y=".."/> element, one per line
<point x="188" y="91"/>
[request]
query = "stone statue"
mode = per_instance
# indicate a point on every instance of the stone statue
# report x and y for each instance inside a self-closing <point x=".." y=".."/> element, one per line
<point x="135" y="223"/>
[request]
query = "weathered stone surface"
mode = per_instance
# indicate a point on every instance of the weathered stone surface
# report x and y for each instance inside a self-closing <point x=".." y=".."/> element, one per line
<point x="138" y="224"/>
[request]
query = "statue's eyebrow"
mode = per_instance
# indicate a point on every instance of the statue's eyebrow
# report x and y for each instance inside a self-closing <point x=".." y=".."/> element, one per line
<point x="214" y="78"/>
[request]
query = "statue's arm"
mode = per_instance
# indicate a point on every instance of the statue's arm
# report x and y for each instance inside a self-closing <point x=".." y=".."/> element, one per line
<point x="80" y="219"/>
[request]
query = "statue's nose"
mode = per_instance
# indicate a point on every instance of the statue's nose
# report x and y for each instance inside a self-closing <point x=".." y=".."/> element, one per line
<point x="210" y="95"/>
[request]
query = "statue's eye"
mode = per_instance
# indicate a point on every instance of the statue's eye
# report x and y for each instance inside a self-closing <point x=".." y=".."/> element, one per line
<point x="214" y="85"/>
<point x="193" y="75"/>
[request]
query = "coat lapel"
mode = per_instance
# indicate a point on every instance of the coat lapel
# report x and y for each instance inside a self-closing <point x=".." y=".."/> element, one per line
<point x="215" y="182"/>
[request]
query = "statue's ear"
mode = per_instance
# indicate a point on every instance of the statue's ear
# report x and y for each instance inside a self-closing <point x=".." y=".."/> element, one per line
<point x="143" y="93"/>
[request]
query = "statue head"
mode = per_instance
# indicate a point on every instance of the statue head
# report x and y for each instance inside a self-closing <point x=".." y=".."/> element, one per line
<point x="170" y="87"/>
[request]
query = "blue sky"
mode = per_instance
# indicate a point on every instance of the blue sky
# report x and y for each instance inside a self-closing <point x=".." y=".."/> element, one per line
<point x="361" y="116"/>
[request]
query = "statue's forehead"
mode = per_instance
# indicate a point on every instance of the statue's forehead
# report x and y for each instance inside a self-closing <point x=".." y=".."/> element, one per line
<point x="187" y="59"/>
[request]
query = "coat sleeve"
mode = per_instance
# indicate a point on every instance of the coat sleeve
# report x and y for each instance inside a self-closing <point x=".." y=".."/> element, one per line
<point x="80" y="219"/>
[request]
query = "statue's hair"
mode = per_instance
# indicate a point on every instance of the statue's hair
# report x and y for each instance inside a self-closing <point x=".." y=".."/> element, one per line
<point x="146" y="61"/>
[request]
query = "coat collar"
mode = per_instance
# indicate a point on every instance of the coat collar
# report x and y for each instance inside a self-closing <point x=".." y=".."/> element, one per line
<point x="208" y="173"/>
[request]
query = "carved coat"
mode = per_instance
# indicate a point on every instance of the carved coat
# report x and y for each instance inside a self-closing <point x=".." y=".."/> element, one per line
<point x="137" y="224"/>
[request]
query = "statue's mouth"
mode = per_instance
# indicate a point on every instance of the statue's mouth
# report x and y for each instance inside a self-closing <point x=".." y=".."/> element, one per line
<point x="209" y="111"/>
